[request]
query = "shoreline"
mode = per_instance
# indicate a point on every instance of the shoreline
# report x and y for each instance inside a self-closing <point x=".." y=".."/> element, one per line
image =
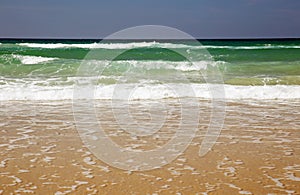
<point x="257" y="153"/>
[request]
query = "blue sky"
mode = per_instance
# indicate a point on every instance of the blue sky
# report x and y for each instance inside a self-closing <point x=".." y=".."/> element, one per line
<point x="200" y="18"/>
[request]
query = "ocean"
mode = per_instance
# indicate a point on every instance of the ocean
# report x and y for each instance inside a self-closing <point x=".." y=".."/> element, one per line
<point x="164" y="138"/>
<point x="38" y="69"/>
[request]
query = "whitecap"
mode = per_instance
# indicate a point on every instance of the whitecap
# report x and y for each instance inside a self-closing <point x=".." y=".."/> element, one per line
<point x="102" y="45"/>
<point x="32" y="59"/>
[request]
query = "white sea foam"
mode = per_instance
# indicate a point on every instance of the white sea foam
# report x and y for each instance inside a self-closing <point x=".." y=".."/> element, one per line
<point x="148" y="91"/>
<point x="92" y="45"/>
<point x="150" y="44"/>
<point x="254" y="47"/>
<point x="32" y="59"/>
<point x="147" y="65"/>
<point x="169" y="65"/>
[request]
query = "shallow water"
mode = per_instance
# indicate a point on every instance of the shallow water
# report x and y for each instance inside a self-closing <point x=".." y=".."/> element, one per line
<point x="257" y="152"/>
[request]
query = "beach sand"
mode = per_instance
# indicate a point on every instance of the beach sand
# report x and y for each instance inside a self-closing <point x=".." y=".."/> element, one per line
<point x="258" y="152"/>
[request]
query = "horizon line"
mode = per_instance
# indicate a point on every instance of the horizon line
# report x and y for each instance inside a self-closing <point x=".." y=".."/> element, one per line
<point x="212" y="38"/>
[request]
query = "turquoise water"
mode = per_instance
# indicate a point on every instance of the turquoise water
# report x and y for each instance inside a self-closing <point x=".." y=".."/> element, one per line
<point x="51" y="63"/>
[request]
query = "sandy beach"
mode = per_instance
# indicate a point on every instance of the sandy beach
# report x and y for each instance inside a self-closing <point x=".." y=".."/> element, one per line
<point x="150" y="97"/>
<point x="258" y="152"/>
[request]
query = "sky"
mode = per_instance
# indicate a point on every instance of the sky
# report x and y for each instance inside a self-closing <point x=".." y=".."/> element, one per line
<point x="199" y="18"/>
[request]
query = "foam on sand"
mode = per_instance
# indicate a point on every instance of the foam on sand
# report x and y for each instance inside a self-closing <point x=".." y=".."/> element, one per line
<point x="29" y="91"/>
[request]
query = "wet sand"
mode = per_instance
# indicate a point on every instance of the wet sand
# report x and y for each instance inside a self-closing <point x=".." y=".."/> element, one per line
<point x="258" y="152"/>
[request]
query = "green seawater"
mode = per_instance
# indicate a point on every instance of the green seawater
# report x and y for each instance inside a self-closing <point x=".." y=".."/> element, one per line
<point x="241" y="62"/>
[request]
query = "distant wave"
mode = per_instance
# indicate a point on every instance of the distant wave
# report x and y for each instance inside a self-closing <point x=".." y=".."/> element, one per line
<point x="94" y="45"/>
<point x="253" y="47"/>
<point x="150" y="44"/>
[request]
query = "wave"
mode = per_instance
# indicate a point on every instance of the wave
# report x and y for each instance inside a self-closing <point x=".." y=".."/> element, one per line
<point x="141" y="64"/>
<point x="148" y="91"/>
<point x="93" y="45"/>
<point x="32" y="59"/>
<point x="150" y="44"/>
<point x="253" y="47"/>
<point x="184" y="66"/>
